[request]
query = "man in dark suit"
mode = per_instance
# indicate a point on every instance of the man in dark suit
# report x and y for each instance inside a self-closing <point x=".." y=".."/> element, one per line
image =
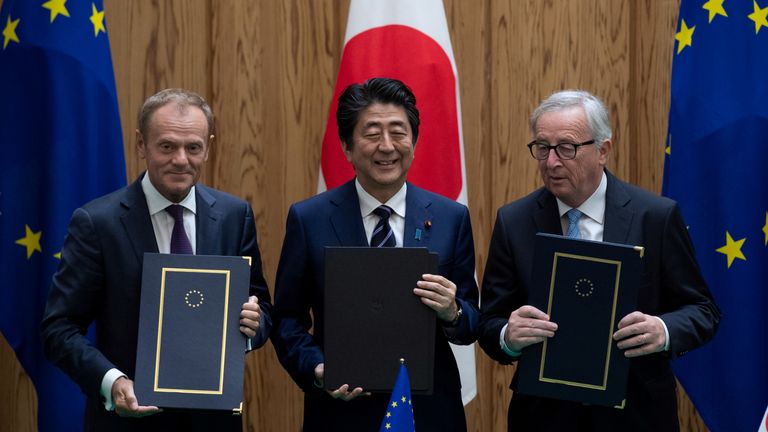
<point x="99" y="277"/>
<point x="378" y="126"/>
<point x="676" y="312"/>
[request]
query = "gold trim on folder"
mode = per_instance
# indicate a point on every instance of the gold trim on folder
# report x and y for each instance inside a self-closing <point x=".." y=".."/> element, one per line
<point x="157" y="388"/>
<point x="610" y="328"/>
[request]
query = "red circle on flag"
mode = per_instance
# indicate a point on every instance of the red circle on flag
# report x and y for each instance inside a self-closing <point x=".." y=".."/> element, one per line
<point x="404" y="53"/>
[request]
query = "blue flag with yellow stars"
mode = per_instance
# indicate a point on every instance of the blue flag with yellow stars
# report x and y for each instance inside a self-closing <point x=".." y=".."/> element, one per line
<point x="399" y="415"/>
<point x="61" y="147"/>
<point x="716" y="167"/>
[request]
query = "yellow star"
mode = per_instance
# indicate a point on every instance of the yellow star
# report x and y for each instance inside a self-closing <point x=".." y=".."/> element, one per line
<point x="57" y="255"/>
<point x="388" y="426"/>
<point x="715" y="7"/>
<point x="765" y="229"/>
<point x="394" y="404"/>
<point x="668" y="150"/>
<point x="403" y="399"/>
<point x="97" y="18"/>
<point x="732" y="249"/>
<point x="759" y="16"/>
<point x="31" y="241"/>
<point x="684" y="37"/>
<point x="56" y="7"/>
<point x="389" y="414"/>
<point x="9" y="32"/>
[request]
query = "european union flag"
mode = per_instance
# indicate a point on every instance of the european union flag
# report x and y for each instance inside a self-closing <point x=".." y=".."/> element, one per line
<point x="717" y="169"/>
<point x="61" y="147"/>
<point x="399" y="415"/>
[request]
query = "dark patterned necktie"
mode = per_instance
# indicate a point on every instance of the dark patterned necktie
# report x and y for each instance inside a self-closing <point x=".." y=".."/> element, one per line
<point x="179" y="241"/>
<point x="383" y="236"/>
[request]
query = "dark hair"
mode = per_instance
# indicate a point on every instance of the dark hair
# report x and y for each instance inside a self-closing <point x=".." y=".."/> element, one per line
<point x="182" y="98"/>
<point x="357" y="97"/>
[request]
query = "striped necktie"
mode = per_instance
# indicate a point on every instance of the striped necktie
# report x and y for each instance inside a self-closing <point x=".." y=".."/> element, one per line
<point x="383" y="236"/>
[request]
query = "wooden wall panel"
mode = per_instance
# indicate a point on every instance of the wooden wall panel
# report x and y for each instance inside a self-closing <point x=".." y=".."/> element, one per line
<point x="268" y="69"/>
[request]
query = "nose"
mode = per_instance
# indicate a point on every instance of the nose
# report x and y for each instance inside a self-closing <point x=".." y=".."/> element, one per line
<point x="553" y="159"/>
<point x="386" y="144"/>
<point x="180" y="157"/>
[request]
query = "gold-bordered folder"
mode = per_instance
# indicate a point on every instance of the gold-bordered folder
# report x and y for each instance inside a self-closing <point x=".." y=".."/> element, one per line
<point x="190" y="351"/>
<point x="586" y="287"/>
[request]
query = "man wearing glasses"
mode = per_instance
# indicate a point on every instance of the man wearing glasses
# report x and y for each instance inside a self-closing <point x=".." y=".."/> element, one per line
<point x="581" y="199"/>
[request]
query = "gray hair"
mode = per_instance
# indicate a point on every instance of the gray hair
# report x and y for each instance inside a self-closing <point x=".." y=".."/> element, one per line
<point x="182" y="98"/>
<point x="598" y="119"/>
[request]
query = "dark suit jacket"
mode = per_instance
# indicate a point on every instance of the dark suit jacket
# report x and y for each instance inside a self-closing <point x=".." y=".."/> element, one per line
<point x="99" y="281"/>
<point x="333" y="219"/>
<point x="672" y="288"/>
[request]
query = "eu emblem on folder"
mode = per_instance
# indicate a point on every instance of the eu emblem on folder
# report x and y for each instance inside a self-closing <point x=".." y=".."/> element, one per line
<point x="190" y="350"/>
<point x="586" y="287"/>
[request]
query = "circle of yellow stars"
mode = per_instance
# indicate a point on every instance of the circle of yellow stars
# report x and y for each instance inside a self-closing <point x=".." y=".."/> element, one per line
<point x="584" y="287"/>
<point x="199" y="300"/>
<point x="56" y="8"/>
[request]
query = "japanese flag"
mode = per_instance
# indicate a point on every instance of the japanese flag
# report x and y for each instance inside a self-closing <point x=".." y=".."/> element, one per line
<point x="408" y="40"/>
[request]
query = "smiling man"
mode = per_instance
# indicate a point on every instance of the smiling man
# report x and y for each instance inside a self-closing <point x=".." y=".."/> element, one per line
<point x="99" y="277"/>
<point x="676" y="313"/>
<point x="378" y="127"/>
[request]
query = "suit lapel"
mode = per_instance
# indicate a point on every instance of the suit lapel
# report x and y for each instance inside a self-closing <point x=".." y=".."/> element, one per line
<point x="417" y="217"/>
<point x="208" y="222"/>
<point x="345" y="219"/>
<point x="618" y="217"/>
<point x="547" y="218"/>
<point x="136" y="221"/>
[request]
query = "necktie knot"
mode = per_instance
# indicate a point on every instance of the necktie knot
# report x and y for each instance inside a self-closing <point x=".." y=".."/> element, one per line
<point x="176" y="211"/>
<point x="383" y="235"/>
<point x="573" y="223"/>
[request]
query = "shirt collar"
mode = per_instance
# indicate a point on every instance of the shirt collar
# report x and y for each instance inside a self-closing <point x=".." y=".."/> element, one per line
<point x="156" y="202"/>
<point x="368" y="203"/>
<point x="594" y="206"/>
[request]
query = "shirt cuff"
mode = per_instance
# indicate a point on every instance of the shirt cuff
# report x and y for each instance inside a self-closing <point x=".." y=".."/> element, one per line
<point x="503" y="344"/>
<point x="666" y="334"/>
<point x="106" y="387"/>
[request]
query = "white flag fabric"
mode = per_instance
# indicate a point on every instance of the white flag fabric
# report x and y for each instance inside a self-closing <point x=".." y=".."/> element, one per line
<point x="764" y="423"/>
<point x="408" y="40"/>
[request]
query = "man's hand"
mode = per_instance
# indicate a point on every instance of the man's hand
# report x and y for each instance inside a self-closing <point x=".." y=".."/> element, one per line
<point x="640" y="334"/>
<point x="527" y="326"/>
<point x="250" y="316"/>
<point x="342" y="392"/>
<point x="125" y="401"/>
<point x="439" y="294"/>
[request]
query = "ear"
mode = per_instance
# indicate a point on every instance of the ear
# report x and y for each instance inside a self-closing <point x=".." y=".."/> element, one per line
<point x="605" y="151"/>
<point x="347" y="151"/>
<point x="211" y="139"/>
<point x="141" y="145"/>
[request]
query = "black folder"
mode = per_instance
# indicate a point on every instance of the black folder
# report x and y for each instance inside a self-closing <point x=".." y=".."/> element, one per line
<point x="190" y="351"/>
<point x="373" y="318"/>
<point x="586" y="287"/>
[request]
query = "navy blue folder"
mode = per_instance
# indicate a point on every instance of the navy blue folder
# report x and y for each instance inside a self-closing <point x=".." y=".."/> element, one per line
<point x="586" y="287"/>
<point x="190" y="351"/>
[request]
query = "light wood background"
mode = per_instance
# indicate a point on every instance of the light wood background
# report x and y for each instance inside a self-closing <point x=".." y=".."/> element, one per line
<point x="268" y="69"/>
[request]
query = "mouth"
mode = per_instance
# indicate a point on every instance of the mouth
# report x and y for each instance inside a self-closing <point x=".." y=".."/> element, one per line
<point x="385" y="163"/>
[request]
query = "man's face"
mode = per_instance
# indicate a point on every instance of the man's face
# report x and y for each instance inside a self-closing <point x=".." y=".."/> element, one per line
<point x="175" y="148"/>
<point x="381" y="150"/>
<point x="574" y="180"/>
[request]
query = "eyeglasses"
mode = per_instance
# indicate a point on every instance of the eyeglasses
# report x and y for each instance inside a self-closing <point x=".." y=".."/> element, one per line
<point x="565" y="151"/>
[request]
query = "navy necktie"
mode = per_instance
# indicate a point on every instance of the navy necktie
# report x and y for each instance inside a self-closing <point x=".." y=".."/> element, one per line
<point x="179" y="241"/>
<point x="383" y="236"/>
<point x="573" y="223"/>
